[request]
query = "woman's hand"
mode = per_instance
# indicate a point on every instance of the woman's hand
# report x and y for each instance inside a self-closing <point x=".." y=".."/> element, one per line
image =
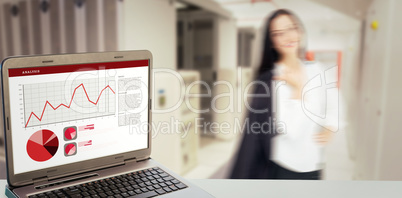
<point x="323" y="137"/>
<point x="295" y="79"/>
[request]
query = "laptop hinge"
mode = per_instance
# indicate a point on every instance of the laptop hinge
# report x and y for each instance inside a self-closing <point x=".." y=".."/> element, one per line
<point x="142" y="158"/>
<point x="131" y="160"/>
<point x="40" y="180"/>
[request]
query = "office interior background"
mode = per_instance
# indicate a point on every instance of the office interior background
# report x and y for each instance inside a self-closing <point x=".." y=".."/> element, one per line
<point x="220" y="40"/>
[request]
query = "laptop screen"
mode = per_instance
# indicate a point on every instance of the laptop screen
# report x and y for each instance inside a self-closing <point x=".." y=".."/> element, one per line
<point x="71" y="113"/>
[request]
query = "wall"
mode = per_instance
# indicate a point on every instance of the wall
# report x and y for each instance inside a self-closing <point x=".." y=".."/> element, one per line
<point x="378" y="133"/>
<point x="322" y="37"/>
<point x="227" y="43"/>
<point x="391" y="159"/>
<point x="151" y="25"/>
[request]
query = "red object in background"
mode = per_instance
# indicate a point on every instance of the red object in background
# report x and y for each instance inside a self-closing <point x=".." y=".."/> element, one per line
<point x="42" y="145"/>
<point x="310" y="56"/>
<point x="339" y="66"/>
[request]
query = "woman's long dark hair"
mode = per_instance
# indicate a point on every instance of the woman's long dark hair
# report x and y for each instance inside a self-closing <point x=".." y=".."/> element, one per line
<point x="270" y="55"/>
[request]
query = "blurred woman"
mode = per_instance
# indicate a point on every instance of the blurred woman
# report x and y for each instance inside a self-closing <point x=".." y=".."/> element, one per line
<point x="289" y="142"/>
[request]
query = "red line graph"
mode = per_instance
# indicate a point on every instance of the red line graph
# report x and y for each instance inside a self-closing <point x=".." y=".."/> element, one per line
<point x="72" y="97"/>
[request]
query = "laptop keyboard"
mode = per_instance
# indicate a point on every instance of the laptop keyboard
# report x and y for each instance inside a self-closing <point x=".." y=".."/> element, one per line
<point x="140" y="184"/>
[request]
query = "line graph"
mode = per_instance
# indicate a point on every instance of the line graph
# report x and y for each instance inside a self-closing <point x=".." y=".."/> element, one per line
<point x="72" y="105"/>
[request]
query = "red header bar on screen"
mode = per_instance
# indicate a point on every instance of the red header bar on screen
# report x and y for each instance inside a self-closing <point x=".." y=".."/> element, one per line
<point x="31" y="71"/>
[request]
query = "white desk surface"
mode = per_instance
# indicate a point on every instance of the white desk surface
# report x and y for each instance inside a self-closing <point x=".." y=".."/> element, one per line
<point x="283" y="188"/>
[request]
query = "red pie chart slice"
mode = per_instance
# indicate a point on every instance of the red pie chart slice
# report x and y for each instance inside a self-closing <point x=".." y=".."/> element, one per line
<point x="52" y="146"/>
<point x="51" y="149"/>
<point x="53" y="142"/>
<point x="37" y="138"/>
<point x="38" y="152"/>
<point x="48" y="139"/>
<point x="70" y="133"/>
<point x="70" y="149"/>
<point x="42" y="145"/>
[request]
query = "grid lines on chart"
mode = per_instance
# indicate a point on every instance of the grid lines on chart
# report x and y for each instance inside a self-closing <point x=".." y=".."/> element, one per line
<point x="98" y="90"/>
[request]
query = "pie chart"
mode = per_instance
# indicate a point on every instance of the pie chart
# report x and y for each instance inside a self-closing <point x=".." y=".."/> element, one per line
<point x="70" y="133"/>
<point x="42" y="145"/>
<point x="70" y="149"/>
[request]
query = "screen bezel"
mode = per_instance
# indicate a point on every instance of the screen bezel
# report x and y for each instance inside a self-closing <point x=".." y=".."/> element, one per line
<point x="68" y="59"/>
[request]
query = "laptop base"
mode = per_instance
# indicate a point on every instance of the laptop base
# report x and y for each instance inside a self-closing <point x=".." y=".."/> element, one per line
<point x="9" y="193"/>
<point x="190" y="191"/>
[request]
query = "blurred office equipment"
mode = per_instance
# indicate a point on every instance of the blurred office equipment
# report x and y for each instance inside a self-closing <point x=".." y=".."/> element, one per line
<point x="46" y="25"/>
<point x="61" y="26"/>
<point x="225" y="103"/>
<point x="11" y="28"/>
<point x="207" y="42"/>
<point x="56" y="21"/>
<point x="23" y="10"/>
<point x="36" y="27"/>
<point x="246" y="46"/>
<point x="94" y="24"/>
<point x="197" y="34"/>
<point x="80" y="10"/>
<point x="190" y="141"/>
<point x="2" y="45"/>
<point x="11" y="44"/>
<point x="174" y="120"/>
<point x="113" y="24"/>
<point x="70" y="36"/>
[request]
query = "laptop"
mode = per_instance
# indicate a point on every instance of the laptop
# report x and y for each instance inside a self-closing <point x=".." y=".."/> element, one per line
<point x="78" y="125"/>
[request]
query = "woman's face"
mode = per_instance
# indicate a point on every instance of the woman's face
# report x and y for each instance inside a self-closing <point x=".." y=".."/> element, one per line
<point x="285" y="35"/>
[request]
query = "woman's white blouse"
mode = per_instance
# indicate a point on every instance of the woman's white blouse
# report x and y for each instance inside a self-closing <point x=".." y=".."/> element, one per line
<point x="297" y="121"/>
